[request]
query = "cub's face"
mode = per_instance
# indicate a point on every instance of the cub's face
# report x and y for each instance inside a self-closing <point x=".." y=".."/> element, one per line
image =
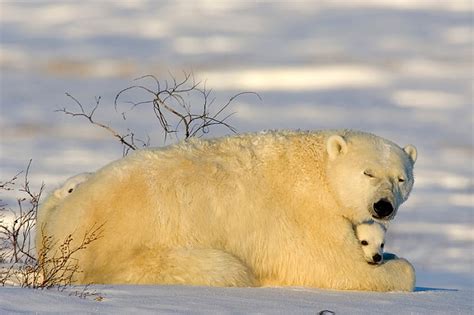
<point x="370" y="177"/>
<point x="371" y="236"/>
<point x="70" y="185"/>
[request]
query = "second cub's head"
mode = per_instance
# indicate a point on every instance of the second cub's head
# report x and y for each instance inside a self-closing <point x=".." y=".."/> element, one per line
<point x="70" y="185"/>
<point x="371" y="236"/>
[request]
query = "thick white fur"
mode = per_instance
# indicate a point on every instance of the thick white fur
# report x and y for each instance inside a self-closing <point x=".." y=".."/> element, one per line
<point x="374" y="234"/>
<point x="70" y="185"/>
<point x="249" y="210"/>
<point x="48" y="207"/>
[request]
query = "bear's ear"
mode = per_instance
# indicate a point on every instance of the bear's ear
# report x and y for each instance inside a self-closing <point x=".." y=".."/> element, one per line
<point x="335" y="146"/>
<point x="411" y="151"/>
<point x="57" y="193"/>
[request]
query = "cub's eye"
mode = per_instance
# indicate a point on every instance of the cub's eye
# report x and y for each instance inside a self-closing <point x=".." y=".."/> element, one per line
<point x="382" y="245"/>
<point x="401" y="180"/>
<point x="365" y="243"/>
<point x="369" y="173"/>
<point x="70" y="190"/>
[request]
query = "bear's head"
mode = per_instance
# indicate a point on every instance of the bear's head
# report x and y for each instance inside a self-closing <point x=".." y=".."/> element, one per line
<point x="70" y="185"/>
<point x="369" y="176"/>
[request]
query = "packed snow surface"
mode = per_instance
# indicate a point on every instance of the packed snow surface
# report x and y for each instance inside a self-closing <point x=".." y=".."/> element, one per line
<point x="206" y="300"/>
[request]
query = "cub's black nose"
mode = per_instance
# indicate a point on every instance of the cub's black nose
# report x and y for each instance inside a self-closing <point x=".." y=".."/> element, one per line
<point x="376" y="258"/>
<point x="383" y="208"/>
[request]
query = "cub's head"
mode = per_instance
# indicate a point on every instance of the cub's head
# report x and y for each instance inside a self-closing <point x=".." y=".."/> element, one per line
<point x="369" y="176"/>
<point x="70" y="185"/>
<point x="371" y="236"/>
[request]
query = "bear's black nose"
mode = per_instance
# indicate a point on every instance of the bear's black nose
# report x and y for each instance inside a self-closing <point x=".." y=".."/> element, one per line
<point x="383" y="208"/>
<point x="376" y="258"/>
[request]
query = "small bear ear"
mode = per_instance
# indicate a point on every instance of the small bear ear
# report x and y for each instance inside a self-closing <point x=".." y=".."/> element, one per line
<point x="57" y="193"/>
<point x="411" y="151"/>
<point x="335" y="146"/>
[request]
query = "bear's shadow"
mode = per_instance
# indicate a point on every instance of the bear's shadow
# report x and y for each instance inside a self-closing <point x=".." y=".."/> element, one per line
<point x="389" y="256"/>
<point x="425" y="289"/>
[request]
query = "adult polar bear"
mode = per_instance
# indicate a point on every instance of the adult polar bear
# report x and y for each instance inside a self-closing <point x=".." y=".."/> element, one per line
<point x="274" y="208"/>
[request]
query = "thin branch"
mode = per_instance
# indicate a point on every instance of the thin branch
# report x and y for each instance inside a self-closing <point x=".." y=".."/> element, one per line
<point x="174" y="114"/>
<point x="170" y="103"/>
<point x="90" y="118"/>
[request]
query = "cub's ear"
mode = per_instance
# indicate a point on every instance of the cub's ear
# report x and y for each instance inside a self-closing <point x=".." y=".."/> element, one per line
<point x="335" y="146"/>
<point x="58" y="193"/>
<point x="411" y="151"/>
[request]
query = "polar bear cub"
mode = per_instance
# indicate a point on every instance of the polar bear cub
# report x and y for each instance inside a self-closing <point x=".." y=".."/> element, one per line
<point x="372" y="238"/>
<point x="55" y="198"/>
<point x="70" y="185"/>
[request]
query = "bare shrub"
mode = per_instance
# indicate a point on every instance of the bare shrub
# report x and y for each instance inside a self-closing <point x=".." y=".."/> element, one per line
<point x="54" y="264"/>
<point x="170" y="104"/>
<point x="16" y="239"/>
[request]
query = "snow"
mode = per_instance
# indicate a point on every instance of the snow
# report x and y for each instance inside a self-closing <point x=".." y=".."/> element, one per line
<point x="399" y="69"/>
<point x="206" y="300"/>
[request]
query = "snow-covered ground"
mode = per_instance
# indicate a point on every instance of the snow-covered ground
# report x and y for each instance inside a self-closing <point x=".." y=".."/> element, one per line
<point x="205" y="300"/>
<point x="400" y="69"/>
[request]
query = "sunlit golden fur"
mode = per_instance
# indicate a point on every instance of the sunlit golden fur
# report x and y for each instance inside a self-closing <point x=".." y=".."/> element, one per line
<point x="250" y="210"/>
<point x="55" y="198"/>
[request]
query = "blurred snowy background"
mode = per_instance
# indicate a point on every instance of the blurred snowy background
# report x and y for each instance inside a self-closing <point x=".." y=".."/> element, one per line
<point x="401" y="69"/>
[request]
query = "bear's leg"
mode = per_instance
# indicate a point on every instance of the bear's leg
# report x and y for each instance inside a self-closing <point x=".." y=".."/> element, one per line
<point x="393" y="275"/>
<point x="207" y="267"/>
<point x="399" y="273"/>
<point x="210" y="267"/>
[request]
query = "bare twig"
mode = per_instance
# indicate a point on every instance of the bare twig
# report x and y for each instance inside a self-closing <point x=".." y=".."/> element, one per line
<point x="58" y="268"/>
<point x="168" y="102"/>
<point x="174" y="114"/>
<point x="16" y="237"/>
<point x="7" y="185"/>
<point x="89" y="116"/>
<point x="86" y="292"/>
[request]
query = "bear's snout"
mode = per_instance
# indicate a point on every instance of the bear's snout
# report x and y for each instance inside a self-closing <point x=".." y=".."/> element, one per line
<point x="383" y="208"/>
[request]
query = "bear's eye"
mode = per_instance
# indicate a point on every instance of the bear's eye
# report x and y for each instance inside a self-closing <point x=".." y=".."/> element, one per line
<point x="70" y="190"/>
<point x="365" y="243"/>
<point x="401" y="180"/>
<point x="381" y="246"/>
<point x="369" y="173"/>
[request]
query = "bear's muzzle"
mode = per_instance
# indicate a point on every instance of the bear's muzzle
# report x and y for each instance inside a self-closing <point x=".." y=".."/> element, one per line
<point x="383" y="209"/>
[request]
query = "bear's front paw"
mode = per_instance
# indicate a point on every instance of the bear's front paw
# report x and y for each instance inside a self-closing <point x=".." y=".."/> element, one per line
<point x="389" y="256"/>
<point x="403" y="274"/>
